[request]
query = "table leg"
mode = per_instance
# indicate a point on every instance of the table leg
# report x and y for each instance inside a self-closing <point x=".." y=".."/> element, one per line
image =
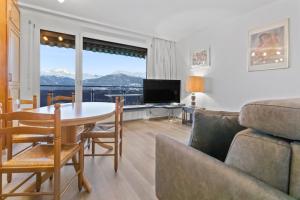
<point x="184" y="117"/>
<point x="69" y="136"/>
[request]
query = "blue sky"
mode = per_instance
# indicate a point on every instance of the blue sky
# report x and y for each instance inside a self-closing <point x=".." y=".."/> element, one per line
<point x="93" y="63"/>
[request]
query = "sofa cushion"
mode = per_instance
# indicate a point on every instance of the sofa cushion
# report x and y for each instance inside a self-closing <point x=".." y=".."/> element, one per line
<point x="213" y="132"/>
<point x="294" y="189"/>
<point x="277" y="117"/>
<point x="262" y="156"/>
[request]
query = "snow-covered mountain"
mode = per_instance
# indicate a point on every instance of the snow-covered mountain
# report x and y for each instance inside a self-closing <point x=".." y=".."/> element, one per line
<point x="65" y="73"/>
<point x="115" y="79"/>
<point x="134" y="74"/>
<point x="59" y="72"/>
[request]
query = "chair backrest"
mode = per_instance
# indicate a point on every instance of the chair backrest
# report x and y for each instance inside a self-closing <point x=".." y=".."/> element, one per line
<point x="51" y="99"/>
<point x="25" y="104"/>
<point x="119" y="114"/>
<point x="38" y="120"/>
<point x="269" y="149"/>
<point x="32" y="102"/>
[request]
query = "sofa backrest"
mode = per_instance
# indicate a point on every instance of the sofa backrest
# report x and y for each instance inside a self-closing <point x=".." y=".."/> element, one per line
<point x="269" y="148"/>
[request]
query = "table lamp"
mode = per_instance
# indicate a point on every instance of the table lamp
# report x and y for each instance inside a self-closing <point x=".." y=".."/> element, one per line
<point x="194" y="84"/>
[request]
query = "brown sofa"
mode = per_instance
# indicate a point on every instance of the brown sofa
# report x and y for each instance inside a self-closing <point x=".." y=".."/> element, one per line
<point x="263" y="161"/>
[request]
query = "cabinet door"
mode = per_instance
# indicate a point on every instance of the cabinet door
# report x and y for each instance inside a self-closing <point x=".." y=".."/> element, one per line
<point x="13" y="62"/>
<point x="13" y="49"/>
<point x="13" y="13"/>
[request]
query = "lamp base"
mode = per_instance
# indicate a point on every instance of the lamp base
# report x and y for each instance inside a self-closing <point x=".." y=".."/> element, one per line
<point x="193" y="98"/>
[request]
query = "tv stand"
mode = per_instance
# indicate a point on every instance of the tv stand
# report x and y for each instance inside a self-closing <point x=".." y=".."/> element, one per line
<point x="170" y="107"/>
<point x="148" y="108"/>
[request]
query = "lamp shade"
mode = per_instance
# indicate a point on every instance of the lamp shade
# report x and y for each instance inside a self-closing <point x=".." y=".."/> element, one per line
<point x="195" y="84"/>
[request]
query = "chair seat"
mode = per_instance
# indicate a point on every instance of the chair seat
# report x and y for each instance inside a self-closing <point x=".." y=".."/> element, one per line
<point x="40" y="156"/>
<point x="103" y="127"/>
<point x="25" y="138"/>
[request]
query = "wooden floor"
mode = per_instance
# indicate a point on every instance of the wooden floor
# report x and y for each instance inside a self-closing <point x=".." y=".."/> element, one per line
<point x="135" y="178"/>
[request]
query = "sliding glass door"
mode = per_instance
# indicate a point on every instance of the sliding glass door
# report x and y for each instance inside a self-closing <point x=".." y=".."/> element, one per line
<point x="95" y="70"/>
<point x="57" y="64"/>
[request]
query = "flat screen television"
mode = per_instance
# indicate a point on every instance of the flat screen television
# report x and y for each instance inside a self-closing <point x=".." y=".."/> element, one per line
<point x="161" y="91"/>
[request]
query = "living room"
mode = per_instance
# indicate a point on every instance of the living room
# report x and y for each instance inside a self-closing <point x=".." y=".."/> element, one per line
<point x="150" y="100"/>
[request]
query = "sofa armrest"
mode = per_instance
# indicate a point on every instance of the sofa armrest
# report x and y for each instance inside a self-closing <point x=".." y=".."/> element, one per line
<point x="183" y="173"/>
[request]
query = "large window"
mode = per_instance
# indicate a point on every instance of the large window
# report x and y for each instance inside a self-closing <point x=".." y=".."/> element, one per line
<point x="108" y="69"/>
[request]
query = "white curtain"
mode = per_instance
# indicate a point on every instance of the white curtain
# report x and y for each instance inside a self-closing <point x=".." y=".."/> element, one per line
<point x="27" y="72"/>
<point x="162" y="60"/>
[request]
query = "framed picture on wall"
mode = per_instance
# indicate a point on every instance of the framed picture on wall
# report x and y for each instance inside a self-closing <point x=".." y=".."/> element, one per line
<point x="200" y="58"/>
<point x="269" y="47"/>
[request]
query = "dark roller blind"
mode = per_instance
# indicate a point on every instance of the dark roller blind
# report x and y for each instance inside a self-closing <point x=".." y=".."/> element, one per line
<point x="113" y="48"/>
<point x="51" y="38"/>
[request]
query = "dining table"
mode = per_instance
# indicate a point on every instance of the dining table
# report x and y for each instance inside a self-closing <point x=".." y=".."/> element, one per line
<point x="73" y="117"/>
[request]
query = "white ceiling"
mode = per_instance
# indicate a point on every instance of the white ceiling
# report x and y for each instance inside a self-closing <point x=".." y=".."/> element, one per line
<point x="170" y="19"/>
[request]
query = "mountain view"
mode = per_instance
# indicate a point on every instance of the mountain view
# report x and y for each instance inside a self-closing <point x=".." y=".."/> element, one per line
<point x="114" y="80"/>
<point x="119" y="78"/>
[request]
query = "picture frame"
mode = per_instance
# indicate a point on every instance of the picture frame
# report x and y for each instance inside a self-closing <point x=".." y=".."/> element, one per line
<point x="200" y="58"/>
<point x="268" y="47"/>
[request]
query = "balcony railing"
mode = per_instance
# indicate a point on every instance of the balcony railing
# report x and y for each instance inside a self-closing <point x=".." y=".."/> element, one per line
<point x="133" y="94"/>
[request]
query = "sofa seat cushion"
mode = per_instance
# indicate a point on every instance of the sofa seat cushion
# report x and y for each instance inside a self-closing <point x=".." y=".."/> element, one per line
<point x="264" y="157"/>
<point x="277" y="117"/>
<point x="213" y="132"/>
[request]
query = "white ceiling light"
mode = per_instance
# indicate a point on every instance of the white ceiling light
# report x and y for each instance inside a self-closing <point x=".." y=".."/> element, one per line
<point x="60" y="1"/>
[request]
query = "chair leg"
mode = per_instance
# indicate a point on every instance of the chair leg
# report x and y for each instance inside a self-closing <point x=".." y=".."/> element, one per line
<point x="121" y="143"/>
<point x="81" y="166"/>
<point x="9" y="156"/>
<point x="89" y="143"/>
<point x="38" y="181"/>
<point x="116" y="154"/>
<point x="93" y="147"/>
<point x="9" y="177"/>
<point x="1" y="184"/>
<point x="56" y="184"/>
<point x="51" y="177"/>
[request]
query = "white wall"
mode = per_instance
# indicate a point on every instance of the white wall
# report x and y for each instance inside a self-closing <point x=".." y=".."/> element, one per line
<point x="230" y="85"/>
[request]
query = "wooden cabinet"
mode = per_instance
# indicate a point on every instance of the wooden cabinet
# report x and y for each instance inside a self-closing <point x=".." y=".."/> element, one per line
<point x="9" y="50"/>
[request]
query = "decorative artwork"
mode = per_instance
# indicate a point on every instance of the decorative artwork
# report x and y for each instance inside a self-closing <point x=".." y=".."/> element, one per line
<point x="269" y="47"/>
<point x="201" y="58"/>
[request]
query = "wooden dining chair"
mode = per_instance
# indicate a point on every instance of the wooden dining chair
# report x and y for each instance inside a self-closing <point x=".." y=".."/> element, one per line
<point x="42" y="158"/>
<point x="107" y="131"/>
<point x="23" y="138"/>
<point x="51" y="99"/>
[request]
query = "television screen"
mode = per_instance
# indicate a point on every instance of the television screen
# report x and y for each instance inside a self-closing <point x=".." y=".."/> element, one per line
<point x="161" y="91"/>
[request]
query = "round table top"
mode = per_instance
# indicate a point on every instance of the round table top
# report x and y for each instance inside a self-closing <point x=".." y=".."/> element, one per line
<point x="79" y="113"/>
